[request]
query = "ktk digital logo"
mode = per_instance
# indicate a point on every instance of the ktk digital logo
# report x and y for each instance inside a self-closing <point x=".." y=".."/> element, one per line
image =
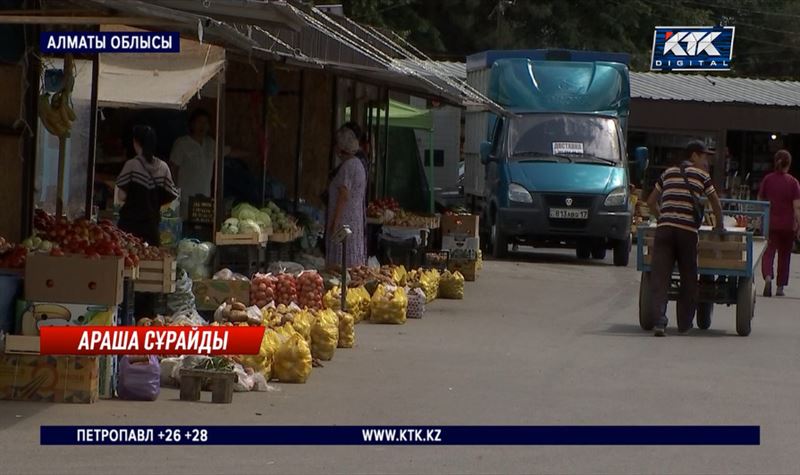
<point x="692" y="48"/>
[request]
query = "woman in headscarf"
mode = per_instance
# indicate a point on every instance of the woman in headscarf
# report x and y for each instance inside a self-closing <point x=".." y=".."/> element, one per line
<point x="783" y="193"/>
<point x="346" y="202"/>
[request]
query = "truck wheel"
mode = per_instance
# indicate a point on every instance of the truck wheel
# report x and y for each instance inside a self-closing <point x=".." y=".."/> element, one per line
<point x="704" y="312"/>
<point x="645" y="318"/>
<point x="499" y="241"/>
<point x="599" y="250"/>
<point x="745" y="305"/>
<point x="622" y="252"/>
<point x="583" y="250"/>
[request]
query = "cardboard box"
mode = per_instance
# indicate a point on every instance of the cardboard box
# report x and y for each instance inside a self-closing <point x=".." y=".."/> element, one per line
<point x="22" y="345"/>
<point x="465" y="225"/>
<point x="34" y="315"/>
<point x="74" y="279"/>
<point x="461" y="247"/>
<point x="468" y="268"/>
<point x="72" y="379"/>
<point x="210" y="293"/>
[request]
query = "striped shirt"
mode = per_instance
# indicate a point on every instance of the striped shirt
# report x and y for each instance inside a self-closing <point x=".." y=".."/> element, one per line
<point x="677" y="205"/>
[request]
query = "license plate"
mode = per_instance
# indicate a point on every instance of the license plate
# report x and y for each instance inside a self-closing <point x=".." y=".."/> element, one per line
<point x="569" y="213"/>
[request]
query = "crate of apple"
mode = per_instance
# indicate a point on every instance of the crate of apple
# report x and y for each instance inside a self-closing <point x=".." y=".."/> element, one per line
<point x="93" y="240"/>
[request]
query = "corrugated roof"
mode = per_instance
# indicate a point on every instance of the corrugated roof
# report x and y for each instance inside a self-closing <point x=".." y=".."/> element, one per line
<point x="691" y="87"/>
<point x="700" y="88"/>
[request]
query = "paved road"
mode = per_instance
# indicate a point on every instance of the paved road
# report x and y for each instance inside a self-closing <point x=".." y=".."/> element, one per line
<point x="541" y="341"/>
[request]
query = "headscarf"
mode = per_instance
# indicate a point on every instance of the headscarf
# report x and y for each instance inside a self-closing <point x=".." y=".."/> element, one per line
<point x="347" y="142"/>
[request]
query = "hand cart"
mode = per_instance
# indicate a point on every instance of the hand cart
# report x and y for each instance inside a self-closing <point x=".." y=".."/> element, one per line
<point x="727" y="264"/>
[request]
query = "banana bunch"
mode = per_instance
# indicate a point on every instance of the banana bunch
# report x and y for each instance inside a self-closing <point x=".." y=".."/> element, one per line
<point x="55" y="110"/>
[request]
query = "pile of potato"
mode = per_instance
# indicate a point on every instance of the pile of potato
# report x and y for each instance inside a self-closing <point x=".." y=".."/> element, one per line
<point x="234" y="312"/>
<point x="311" y="287"/>
<point x="389" y="305"/>
<point x="262" y="289"/>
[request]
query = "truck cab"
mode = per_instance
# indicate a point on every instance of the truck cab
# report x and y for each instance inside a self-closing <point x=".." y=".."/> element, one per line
<point x="555" y="170"/>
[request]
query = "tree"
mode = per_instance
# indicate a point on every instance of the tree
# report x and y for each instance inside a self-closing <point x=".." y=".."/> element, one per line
<point x="766" y="30"/>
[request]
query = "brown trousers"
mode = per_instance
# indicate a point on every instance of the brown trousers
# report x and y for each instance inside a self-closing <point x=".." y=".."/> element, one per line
<point x="674" y="245"/>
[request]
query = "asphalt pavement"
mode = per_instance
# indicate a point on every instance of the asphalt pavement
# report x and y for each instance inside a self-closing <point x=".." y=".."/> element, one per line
<point x="541" y="339"/>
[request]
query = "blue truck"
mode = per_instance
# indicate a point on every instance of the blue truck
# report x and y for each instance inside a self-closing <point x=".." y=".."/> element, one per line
<point x="554" y="172"/>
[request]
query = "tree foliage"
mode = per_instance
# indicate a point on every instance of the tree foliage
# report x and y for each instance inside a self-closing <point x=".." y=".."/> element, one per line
<point x="766" y="43"/>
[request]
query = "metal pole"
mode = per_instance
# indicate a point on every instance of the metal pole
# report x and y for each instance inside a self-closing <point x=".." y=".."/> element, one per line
<point x="92" y="138"/>
<point x="430" y="167"/>
<point x="344" y="274"/>
<point x="219" y="163"/>
<point x="62" y="158"/>
<point x="298" y="164"/>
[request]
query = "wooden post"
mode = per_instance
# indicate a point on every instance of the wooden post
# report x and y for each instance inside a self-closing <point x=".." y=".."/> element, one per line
<point x="62" y="157"/>
<point x="219" y="161"/>
<point x="92" y="137"/>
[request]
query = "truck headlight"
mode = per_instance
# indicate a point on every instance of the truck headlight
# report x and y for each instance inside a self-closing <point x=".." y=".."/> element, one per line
<point x="617" y="198"/>
<point x="519" y="194"/>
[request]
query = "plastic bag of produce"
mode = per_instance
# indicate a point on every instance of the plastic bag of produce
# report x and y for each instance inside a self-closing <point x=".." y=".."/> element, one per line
<point x="285" y="289"/>
<point x="347" y="330"/>
<point x="262" y="362"/>
<point x="324" y="334"/>
<point x="292" y="362"/>
<point x="302" y="322"/>
<point x="416" y="303"/>
<point x="262" y="289"/>
<point x="139" y="378"/>
<point x="389" y="305"/>
<point x="310" y="287"/>
<point x="452" y="285"/>
<point x="362" y="303"/>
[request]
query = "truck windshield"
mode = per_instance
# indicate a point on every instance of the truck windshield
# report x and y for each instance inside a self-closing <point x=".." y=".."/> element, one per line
<point x="573" y="138"/>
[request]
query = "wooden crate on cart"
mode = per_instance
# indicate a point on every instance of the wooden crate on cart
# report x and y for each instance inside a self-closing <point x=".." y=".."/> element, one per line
<point x="157" y="276"/>
<point x="715" y="251"/>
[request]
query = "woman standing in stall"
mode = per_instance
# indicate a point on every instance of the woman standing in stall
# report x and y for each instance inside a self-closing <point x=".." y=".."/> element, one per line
<point x="346" y="204"/>
<point x="145" y="184"/>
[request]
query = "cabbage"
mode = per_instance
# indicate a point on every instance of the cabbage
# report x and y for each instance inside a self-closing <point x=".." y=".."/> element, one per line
<point x="186" y="246"/>
<point x="230" y="226"/>
<point x="244" y="211"/>
<point x="249" y="226"/>
<point x="263" y="220"/>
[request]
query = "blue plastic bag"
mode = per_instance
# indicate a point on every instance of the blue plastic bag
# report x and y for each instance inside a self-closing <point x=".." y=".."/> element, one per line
<point x="139" y="381"/>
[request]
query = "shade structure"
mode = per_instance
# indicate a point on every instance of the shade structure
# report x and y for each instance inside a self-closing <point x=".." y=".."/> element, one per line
<point x="157" y="80"/>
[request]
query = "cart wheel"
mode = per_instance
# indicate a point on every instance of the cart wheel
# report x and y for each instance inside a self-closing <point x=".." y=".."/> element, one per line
<point x="704" y="312"/>
<point x="645" y="318"/>
<point x="745" y="306"/>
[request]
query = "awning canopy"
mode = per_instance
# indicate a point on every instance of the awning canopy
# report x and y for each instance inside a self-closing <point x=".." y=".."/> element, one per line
<point x="162" y="80"/>
<point x="404" y="115"/>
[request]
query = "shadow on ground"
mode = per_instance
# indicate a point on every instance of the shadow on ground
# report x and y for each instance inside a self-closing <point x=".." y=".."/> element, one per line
<point x="625" y="329"/>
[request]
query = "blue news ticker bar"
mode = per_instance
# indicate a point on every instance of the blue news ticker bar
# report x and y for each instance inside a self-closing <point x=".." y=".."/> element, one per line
<point x="401" y="435"/>
<point x="87" y="42"/>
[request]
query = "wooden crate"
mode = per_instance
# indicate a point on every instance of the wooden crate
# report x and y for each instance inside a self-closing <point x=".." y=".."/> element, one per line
<point x="247" y="239"/>
<point x="467" y="268"/>
<point x="287" y="237"/>
<point x="157" y="276"/>
<point x="714" y="251"/>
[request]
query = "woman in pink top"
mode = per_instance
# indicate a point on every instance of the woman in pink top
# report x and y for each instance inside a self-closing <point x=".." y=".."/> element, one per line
<point x="783" y="193"/>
